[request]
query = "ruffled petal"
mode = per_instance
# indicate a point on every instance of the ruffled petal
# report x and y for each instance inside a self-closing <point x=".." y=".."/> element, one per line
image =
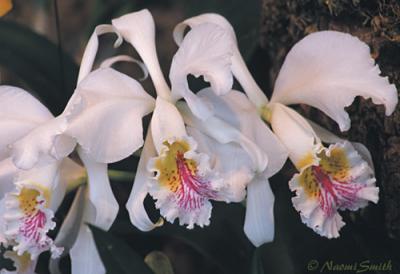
<point x="100" y="192"/>
<point x="239" y="68"/>
<point x="184" y="183"/>
<point x="328" y="137"/>
<point x="135" y="204"/>
<point x="20" y="112"/>
<point x="340" y="180"/>
<point x="327" y="70"/>
<point x="295" y="133"/>
<point x="205" y="51"/>
<point x="138" y="29"/>
<point x="27" y="220"/>
<point x="113" y="104"/>
<point x="259" y="220"/>
<point x="236" y="109"/>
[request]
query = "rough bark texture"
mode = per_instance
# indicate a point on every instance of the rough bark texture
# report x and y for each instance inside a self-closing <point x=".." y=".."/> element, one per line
<point x="378" y="24"/>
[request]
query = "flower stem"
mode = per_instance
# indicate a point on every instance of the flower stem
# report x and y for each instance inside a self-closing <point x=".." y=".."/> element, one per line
<point x="120" y="175"/>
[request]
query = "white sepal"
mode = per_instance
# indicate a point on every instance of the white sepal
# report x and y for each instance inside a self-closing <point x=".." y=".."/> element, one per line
<point x="239" y="68"/>
<point x="100" y="192"/>
<point x="327" y="70"/>
<point x="166" y="123"/>
<point x="138" y="29"/>
<point x="135" y="204"/>
<point x="205" y="51"/>
<point x="259" y="220"/>
<point x="113" y="104"/>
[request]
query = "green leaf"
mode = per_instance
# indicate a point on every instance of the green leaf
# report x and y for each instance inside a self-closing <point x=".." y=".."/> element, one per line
<point x="117" y="256"/>
<point x="159" y="262"/>
<point x="36" y="60"/>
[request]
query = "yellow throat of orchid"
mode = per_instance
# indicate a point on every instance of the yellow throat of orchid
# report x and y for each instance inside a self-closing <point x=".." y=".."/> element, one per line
<point x="168" y="164"/>
<point x="28" y="200"/>
<point x="336" y="165"/>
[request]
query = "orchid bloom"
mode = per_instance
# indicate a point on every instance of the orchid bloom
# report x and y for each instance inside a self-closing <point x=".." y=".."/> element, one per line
<point x="28" y="198"/>
<point x="325" y="70"/>
<point x="187" y="177"/>
<point x="228" y="157"/>
<point x="49" y="143"/>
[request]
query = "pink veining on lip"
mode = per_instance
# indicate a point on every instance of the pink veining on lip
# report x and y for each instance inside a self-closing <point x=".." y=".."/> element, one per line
<point x="334" y="194"/>
<point x="193" y="189"/>
<point x="33" y="225"/>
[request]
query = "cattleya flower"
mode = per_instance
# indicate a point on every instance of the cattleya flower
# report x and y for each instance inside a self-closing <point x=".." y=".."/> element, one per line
<point x="41" y="149"/>
<point x="325" y="70"/>
<point x="190" y="166"/>
<point x="228" y="157"/>
<point x="28" y="198"/>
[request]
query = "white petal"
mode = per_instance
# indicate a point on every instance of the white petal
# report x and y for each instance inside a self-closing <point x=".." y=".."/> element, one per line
<point x="135" y="204"/>
<point x="259" y="220"/>
<point x="70" y="228"/>
<point x="84" y="255"/>
<point x="225" y="133"/>
<point x="100" y="192"/>
<point x="236" y="109"/>
<point x="236" y="172"/>
<point x="7" y="174"/>
<point x="166" y="123"/>
<point x="294" y="132"/>
<point x="91" y="49"/>
<point x="327" y="70"/>
<point x="39" y="144"/>
<point x="205" y="51"/>
<point x="20" y="112"/>
<point x="113" y="104"/>
<point x="69" y="172"/>
<point x="139" y="30"/>
<point x="44" y="175"/>
<point x="239" y="68"/>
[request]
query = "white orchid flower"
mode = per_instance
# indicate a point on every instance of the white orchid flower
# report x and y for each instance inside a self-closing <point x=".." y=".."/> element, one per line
<point x="326" y="70"/>
<point x="28" y="198"/>
<point x="190" y="171"/>
<point x="47" y="144"/>
<point x="237" y="110"/>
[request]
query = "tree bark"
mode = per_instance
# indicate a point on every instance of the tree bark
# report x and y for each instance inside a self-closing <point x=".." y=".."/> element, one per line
<point x="378" y="24"/>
